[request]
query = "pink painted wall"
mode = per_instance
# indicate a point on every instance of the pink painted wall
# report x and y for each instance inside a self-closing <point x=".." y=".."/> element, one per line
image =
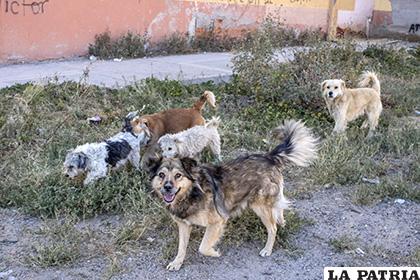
<point x="65" y="28"/>
<point x="45" y="29"/>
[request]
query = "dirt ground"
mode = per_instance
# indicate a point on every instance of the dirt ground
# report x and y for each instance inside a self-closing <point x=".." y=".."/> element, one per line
<point x="385" y="234"/>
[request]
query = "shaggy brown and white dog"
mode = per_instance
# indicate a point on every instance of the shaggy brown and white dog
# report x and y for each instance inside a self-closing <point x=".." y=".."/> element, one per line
<point x="345" y="105"/>
<point x="207" y="195"/>
<point x="171" y="121"/>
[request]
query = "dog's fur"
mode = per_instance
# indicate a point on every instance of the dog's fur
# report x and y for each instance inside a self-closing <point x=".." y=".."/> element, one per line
<point x="93" y="159"/>
<point x="190" y="142"/>
<point x="345" y="105"/>
<point x="174" y="120"/>
<point x="170" y="121"/>
<point x="209" y="195"/>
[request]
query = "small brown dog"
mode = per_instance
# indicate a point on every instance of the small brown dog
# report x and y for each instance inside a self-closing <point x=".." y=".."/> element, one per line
<point x="345" y="105"/>
<point x="171" y="121"/>
<point x="208" y="195"/>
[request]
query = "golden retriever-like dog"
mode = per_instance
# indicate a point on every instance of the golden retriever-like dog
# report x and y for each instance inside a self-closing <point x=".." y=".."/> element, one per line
<point x="345" y="105"/>
<point x="208" y="195"/>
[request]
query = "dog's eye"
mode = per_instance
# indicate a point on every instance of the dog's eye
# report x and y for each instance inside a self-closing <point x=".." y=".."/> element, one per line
<point x="328" y="87"/>
<point x="161" y="175"/>
<point x="169" y="149"/>
<point x="336" y="87"/>
<point x="177" y="176"/>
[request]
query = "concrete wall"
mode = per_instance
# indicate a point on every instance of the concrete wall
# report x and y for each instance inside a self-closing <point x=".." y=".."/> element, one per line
<point x="43" y="29"/>
<point x="406" y="12"/>
<point x="356" y="19"/>
<point x="399" y="18"/>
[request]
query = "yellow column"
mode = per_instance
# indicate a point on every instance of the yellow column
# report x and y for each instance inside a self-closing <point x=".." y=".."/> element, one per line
<point x="332" y="19"/>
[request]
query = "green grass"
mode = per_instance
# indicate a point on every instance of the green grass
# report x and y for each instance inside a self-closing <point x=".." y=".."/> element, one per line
<point x="60" y="245"/>
<point x="132" y="231"/>
<point x="390" y="188"/>
<point x="248" y="227"/>
<point x="415" y="257"/>
<point x="343" y="243"/>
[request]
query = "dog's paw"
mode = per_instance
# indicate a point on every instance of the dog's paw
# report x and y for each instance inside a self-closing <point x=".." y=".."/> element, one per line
<point x="210" y="253"/>
<point x="265" y="252"/>
<point x="174" y="266"/>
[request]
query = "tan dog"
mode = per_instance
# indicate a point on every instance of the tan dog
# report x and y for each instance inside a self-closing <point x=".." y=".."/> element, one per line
<point x="171" y="121"/>
<point x="209" y="195"/>
<point x="345" y="105"/>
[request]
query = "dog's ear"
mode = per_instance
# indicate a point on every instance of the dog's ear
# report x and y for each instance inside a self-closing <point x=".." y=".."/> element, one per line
<point x="343" y="84"/>
<point x="135" y="121"/>
<point x="146" y="130"/>
<point x="131" y="115"/>
<point x="152" y="165"/>
<point x="145" y="122"/>
<point x="189" y="164"/>
<point x="82" y="160"/>
<point x="323" y="84"/>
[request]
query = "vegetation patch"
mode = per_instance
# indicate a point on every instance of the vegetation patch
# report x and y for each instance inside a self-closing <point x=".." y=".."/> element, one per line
<point x="133" y="45"/>
<point x="344" y="243"/>
<point x="61" y="245"/>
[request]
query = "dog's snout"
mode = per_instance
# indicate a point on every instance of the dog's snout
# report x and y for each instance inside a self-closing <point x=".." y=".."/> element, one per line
<point x="330" y="93"/>
<point x="167" y="186"/>
<point x="67" y="175"/>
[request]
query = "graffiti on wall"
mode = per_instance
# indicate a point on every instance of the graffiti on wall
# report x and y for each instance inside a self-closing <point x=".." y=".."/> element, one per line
<point x="23" y="7"/>
<point x="414" y="28"/>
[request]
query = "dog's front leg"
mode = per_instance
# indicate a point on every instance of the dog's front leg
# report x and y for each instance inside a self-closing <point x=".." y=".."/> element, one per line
<point x="340" y="124"/>
<point x="134" y="159"/>
<point x="97" y="171"/>
<point x="94" y="175"/>
<point x="215" y="149"/>
<point x="184" y="236"/>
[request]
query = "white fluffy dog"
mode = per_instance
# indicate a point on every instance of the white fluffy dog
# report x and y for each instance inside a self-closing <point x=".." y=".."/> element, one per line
<point x="95" y="158"/>
<point x="345" y="104"/>
<point x="190" y="142"/>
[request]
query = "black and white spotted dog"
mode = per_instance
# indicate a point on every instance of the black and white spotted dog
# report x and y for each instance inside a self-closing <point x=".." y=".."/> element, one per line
<point x="94" y="159"/>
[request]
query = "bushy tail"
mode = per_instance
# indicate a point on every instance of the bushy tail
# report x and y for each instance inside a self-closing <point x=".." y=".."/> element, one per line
<point x="207" y="96"/>
<point x="369" y="77"/>
<point x="299" y="147"/>
<point x="214" y="122"/>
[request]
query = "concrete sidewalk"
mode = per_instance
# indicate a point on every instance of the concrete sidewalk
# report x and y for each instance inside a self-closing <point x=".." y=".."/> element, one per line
<point x="109" y="73"/>
<point x="186" y="68"/>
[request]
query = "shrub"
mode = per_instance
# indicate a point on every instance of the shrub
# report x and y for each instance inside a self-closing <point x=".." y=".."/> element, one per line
<point x="129" y="45"/>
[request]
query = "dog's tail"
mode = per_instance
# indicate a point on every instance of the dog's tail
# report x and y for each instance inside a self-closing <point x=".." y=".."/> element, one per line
<point x="299" y="146"/>
<point x="207" y="96"/>
<point x="369" y="77"/>
<point x="214" y="122"/>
